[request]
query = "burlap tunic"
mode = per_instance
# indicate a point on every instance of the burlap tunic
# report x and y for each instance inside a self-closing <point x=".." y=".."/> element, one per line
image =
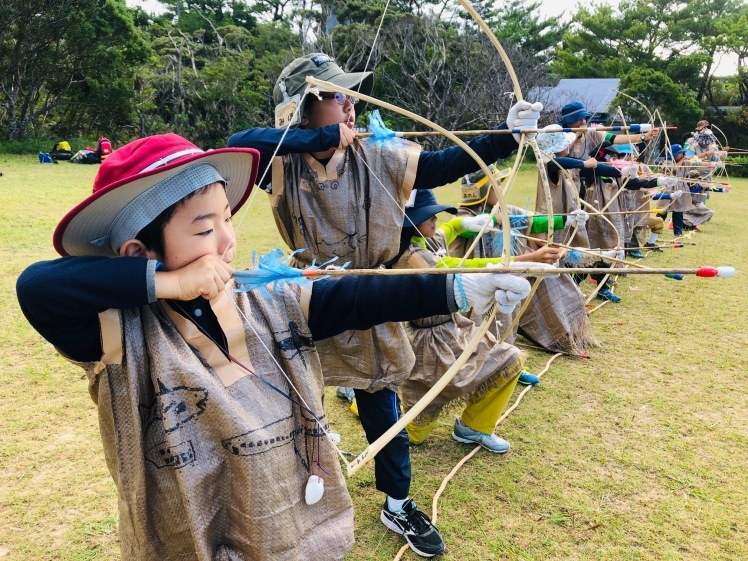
<point x="351" y="208"/>
<point x="682" y="203"/>
<point x="209" y="462"/>
<point x="698" y="213"/>
<point x="601" y="233"/>
<point x="556" y="318"/>
<point x="564" y="200"/>
<point x="437" y="343"/>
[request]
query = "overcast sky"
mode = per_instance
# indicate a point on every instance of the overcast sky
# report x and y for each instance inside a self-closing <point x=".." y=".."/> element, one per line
<point x="548" y="8"/>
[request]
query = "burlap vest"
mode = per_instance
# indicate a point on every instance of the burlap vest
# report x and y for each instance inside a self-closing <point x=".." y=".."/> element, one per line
<point x="599" y="232"/>
<point x="564" y="200"/>
<point x="556" y="318"/>
<point x="682" y="203"/>
<point x="438" y="342"/>
<point x="211" y="463"/>
<point x="352" y="209"/>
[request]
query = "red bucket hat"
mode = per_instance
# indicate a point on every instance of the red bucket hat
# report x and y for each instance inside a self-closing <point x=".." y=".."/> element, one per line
<point x="134" y="169"/>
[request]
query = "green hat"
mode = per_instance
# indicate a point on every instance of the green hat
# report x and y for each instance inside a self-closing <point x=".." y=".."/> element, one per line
<point x="291" y="81"/>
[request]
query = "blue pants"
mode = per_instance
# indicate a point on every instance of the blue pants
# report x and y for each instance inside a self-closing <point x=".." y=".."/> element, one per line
<point x="378" y="411"/>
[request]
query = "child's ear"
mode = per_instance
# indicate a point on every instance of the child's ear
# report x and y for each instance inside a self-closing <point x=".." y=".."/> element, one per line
<point x="133" y="248"/>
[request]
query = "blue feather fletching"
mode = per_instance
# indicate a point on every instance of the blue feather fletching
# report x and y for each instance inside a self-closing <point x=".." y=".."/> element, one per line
<point x="273" y="268"/>
<point x="575" y="258"/>
<point x="496" y="242"/>
<point x="380" y="134"/>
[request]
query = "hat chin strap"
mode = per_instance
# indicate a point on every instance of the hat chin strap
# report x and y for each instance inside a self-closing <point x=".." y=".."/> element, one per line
<point x="171" y="157"/>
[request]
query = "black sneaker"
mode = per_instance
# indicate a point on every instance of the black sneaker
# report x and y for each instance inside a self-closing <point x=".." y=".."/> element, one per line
<point x="652" y="247"/>
<point x="421" y="535"/>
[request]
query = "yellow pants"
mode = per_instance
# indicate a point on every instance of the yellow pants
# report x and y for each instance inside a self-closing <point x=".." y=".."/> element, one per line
<point x="480" y="415"/>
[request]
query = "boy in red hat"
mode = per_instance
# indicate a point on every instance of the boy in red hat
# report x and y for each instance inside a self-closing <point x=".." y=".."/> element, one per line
<point x="213" y="437"/>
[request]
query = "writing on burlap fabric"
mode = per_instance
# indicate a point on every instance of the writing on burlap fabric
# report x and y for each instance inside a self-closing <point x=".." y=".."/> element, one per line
<point x="210" y="463"/>
<point x="350" y="208"/>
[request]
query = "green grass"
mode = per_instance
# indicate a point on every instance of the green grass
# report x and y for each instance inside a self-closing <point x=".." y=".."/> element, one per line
<point x="640" y="453"/>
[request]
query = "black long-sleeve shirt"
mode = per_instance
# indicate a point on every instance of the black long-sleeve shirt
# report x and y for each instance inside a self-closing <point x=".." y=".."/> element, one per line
<point x="602" y="170"/>
<point x="62" y="299"/>
<point x="434" y="168"/>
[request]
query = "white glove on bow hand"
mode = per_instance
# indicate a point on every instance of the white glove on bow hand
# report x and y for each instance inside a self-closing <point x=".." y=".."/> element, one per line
<point x="630" y="171"/>
<point x="475" y="223"/>
<point x="524" y="115"/>
<point x="675" y="195"/>
<point x="614" y="253"/>
<point x="530" y="265"/>
<point x="577" y="218"/>
<point x="669" y="182"/>
<point x="480" y="291"/>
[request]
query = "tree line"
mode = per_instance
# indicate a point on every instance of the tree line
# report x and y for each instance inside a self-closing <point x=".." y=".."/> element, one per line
<point x="205" y="68"/>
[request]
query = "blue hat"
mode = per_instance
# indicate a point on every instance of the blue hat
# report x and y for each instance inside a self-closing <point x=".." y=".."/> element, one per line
<point x="423" y="206"/>
<point x="675" y="149"/>
<point x="572" y="112"/>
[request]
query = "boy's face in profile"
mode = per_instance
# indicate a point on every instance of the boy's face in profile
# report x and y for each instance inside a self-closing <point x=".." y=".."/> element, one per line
<point x="327" y="111"/>
<point x="427" y="228"/>
<point x="200" y="226"/>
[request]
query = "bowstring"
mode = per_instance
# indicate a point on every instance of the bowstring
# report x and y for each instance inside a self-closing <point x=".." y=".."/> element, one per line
<point x="286" y="376"/>
<point x="258" y="184"/>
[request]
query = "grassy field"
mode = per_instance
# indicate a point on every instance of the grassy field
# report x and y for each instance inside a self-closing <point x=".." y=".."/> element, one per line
<point x="640" y="452"/>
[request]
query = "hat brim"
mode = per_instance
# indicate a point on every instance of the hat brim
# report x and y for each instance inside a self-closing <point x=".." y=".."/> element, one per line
<point x="90" y="220"/>
<point x="362" y="82"/>
<point x="573" y="117"/>
<point x="414" y="216"/>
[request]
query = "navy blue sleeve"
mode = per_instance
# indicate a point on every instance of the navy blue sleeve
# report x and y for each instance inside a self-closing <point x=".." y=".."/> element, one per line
<point x="569" y="163"/>
<point x="448" y="165"/>
<point x="605" y="170"/>
<point x="338" y="305"/>
<point x="635" y="183"/>
<point x="602" y="170"/>
<point x="565" y="163"/>
<point x="61" y="299"/>
<point x="296" y="141"/>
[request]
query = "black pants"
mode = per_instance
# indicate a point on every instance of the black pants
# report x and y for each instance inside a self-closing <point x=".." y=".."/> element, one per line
<point x="378" y="411"/>
<point x="678" y="223"/>
<point x="580" y="277"/>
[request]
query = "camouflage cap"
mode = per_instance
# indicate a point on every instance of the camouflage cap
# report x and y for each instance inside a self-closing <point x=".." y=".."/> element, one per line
<point x="292" y="80"/>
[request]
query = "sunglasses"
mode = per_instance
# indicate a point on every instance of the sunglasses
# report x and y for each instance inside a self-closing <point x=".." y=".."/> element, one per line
<point x="340" y="98"/>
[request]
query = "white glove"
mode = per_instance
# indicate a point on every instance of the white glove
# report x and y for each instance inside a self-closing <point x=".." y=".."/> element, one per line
<point x="524" y="115"/>
<point x="614" y="253"/>
<point x="668" y="182"/>
<point x="482" y="290"/>
<point x="630" y="171"/>
<point x="675" y="195"/>
<point x="530" y="265"/>
<point x="475" y="223"/>
<point x="577" y="218"/>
